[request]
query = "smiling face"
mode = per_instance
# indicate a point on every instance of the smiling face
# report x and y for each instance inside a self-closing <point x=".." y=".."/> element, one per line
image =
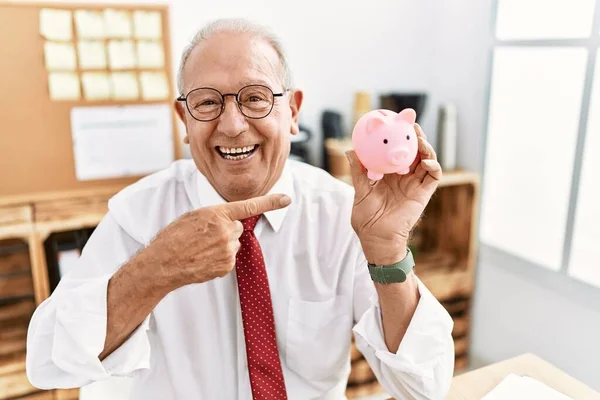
<point x="228" y="62"/>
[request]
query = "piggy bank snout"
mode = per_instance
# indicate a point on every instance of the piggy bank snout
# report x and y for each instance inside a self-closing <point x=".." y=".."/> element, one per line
<point x="397" y="156"/>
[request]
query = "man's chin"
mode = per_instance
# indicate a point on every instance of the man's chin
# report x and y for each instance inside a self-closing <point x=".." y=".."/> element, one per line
<point x="241" y="188"/>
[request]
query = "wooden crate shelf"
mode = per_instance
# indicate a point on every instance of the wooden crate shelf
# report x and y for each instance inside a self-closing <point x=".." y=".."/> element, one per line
<point x="13" y="362"/>
<point x="24" y="281"/>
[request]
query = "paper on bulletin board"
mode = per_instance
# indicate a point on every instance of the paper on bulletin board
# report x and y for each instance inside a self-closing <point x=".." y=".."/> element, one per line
<point x="147" y="24"/>
<point x="96" y="86"/>
<point x="92" y="54"/>
<point x="154" y="85"/>
<point x="121" y="54"/>
<point x="119" y="141"/>
<point x="124" y="86"/>
<point x="64" y="86"/>
<point x="59" y="56"/>
<point x="150" y="54"/>
<point x="89" y="24"/>
<point x="56" y="24"/>
<point x="118" y="23"/>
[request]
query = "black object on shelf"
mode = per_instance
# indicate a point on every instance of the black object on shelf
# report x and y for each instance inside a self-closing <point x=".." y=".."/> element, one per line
<point x="300" y="150"/>
<point x="58" y="243"/>
<point x="399" y="101"/>
<point x="333" y="128"/>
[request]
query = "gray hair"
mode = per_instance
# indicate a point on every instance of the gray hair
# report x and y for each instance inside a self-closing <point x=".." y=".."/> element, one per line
<point x="236" y="25"/>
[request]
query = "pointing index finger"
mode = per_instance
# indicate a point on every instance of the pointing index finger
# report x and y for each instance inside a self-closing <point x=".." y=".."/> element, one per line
<point x="239" y="210"/>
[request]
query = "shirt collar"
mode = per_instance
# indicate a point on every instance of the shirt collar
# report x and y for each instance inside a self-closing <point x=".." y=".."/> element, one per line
<point x="208" y="196"/>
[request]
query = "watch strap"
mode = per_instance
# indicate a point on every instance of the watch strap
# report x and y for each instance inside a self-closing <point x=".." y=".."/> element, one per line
<point x="393" y="273"/>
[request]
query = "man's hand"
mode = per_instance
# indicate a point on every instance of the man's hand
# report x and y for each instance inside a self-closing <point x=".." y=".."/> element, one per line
<point x="197" y="247"/>
<point x="202" y="244"/>
<point x="385" y="212"/>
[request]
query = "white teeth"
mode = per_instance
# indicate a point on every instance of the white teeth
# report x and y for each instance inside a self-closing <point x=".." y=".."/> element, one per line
<point x="236" y="150"/>
<point x="240" y="157"/>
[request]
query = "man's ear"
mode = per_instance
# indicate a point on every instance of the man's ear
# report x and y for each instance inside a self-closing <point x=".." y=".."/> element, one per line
<point x="295" y="104"/>
<point x="180" y="110"/>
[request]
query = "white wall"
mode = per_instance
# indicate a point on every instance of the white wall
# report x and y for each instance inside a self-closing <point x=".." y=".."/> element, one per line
<point x="338" y="47"/>
<point x="514" y="315"/>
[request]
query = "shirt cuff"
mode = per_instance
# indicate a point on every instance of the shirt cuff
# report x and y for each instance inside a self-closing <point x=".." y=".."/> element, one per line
<point x="424" y="343"/>
<point x="81" y="329"/>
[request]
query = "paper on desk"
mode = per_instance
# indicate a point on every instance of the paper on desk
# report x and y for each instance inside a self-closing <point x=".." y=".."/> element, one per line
<point x="96" y="85"/>
<point x="56" y="24"/>
<point x="118" y="23"/>
<point x="124" y="86"/>
<point x="154" y="86"/>
<point x="147" y="24"/>
<point x="63" y="86"/>
<point x="92" y="54"/>
<point x="515" y="387"/>
<point x="59" y="56"/>
<point x="118" y="141"/>
<point x="150" y="54"/>
<point x="121" y="54"/>
<point x="90" y="24"/>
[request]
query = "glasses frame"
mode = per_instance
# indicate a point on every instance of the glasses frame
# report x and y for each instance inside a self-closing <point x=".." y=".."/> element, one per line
<point x="235" y="95"/>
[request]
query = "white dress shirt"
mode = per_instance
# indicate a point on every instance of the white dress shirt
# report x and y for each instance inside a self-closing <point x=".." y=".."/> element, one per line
<point x="192" y="344"/>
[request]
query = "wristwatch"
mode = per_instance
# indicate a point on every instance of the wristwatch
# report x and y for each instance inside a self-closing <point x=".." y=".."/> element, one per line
<point x="393" y="273"/>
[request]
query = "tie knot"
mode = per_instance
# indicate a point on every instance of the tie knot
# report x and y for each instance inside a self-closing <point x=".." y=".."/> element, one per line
<point x="250" y="223"/>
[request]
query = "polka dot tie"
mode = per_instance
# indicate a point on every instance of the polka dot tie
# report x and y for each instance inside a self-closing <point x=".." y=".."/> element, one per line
<point x="266" y="375"/>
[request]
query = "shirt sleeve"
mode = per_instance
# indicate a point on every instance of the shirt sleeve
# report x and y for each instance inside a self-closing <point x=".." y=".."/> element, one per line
<point x="68" y="330"/>
<point x="423" y="366"/>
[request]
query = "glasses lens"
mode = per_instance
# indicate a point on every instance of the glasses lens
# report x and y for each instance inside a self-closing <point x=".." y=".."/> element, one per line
<point x="204" y="104"/>
<point x="256" y="101"/>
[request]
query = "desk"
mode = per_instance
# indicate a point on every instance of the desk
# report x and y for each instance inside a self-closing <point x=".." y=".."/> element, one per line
<point x="475" y="384"/>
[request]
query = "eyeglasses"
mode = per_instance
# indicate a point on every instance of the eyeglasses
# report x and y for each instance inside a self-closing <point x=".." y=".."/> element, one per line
<point x="207" y="104"/>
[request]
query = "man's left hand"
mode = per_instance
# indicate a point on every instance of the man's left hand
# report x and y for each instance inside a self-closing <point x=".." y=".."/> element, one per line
<point x="386" y="211"/>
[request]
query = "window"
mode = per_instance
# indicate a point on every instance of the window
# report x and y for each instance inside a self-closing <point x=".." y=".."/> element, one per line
<point x="541" y="183"/>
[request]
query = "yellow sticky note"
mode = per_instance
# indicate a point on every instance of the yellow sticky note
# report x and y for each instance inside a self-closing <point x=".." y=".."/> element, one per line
<point x="118" y="23"/>
<point x="150" y="54"/>
<point x="56" y="24"/>
<point x="121" y="54"/>
<point x="89" y="24"/>
<point x="92" y="54"/>
<point x="147" y="24"/>
<point x="64" y="86"/>
<point x="95" y="85"/>
<point x="124" y="86"/>
<point x="154" y="86"/>
<point x="59" y="56"/>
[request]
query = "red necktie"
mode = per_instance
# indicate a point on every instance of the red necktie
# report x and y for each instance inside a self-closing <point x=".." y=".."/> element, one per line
<point x="266" y="375"/>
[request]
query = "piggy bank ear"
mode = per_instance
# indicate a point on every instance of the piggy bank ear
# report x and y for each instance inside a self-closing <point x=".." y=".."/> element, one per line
<point x="409" y="115"/>
<point x="373" y="124"/>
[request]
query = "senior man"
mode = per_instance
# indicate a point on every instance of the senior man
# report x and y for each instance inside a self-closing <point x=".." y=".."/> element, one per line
<point x="242" y="274"/>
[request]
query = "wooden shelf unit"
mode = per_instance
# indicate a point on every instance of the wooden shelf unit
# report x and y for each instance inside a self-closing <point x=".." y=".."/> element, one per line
<point x="25" y="224"/>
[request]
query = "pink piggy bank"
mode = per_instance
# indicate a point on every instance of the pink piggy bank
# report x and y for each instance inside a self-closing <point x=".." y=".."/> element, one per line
<point x="386" y="142"/>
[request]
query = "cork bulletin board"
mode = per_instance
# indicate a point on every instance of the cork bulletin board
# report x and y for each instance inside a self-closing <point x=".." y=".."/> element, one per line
<point x="36" y="146"/>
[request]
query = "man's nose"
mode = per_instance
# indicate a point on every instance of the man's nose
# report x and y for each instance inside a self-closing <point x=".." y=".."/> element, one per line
<point x="232" y="122"/>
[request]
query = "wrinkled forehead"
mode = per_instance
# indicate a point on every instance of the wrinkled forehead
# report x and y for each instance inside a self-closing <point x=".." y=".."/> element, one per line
<point x="229" y="61"/>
